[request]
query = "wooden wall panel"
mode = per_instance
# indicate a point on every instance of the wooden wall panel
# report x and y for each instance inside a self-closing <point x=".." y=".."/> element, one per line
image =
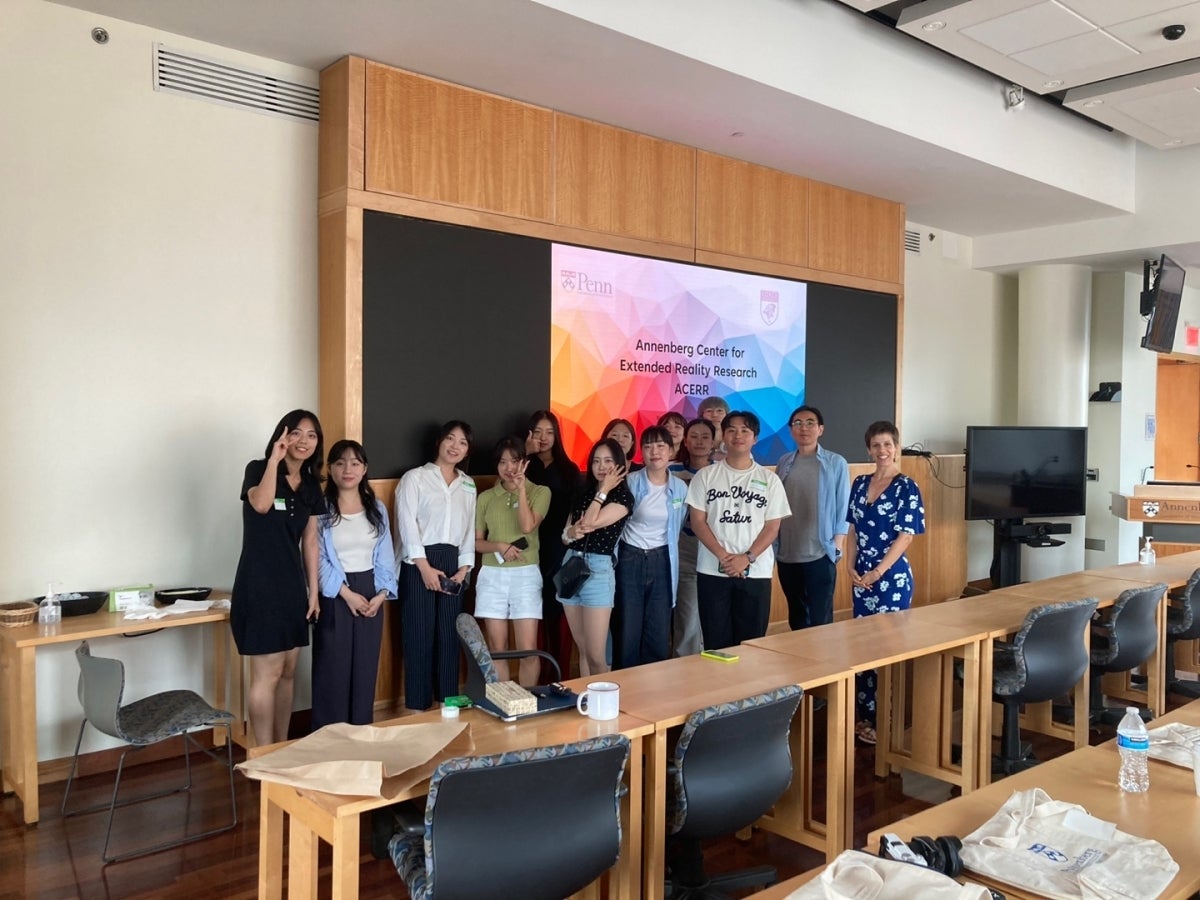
<point x="449" y="144"/>
<point x="619" y="182"/>
<point x="339" y="337"/>
<point x="750" y="211"/>
<point x="340" y="133"/>
<point x="855" y="233"/>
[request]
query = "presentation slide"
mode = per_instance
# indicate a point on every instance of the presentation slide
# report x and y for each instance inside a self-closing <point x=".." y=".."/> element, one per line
<point x="634" y="338"/>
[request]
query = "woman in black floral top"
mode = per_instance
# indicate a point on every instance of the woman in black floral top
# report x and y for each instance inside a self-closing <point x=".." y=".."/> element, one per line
<point x="596" y="522"/>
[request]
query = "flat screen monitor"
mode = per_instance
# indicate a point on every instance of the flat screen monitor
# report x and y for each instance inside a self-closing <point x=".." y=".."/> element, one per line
<point x="1164" y="314"/>
<point x="1019" y="473"/>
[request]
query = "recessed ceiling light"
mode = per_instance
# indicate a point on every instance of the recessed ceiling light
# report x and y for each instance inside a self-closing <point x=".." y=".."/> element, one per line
<point x="1056" y="83"/>
<point x="1174" y="143"/>
<point x="935" y="25"/>
<point x="1092" y="103"/>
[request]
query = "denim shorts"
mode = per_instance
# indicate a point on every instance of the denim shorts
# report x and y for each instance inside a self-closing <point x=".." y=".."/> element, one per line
<point x="599" y="589"/>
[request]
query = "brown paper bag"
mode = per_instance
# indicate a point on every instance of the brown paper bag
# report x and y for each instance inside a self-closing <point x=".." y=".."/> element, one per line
<point x="362" y="760"/>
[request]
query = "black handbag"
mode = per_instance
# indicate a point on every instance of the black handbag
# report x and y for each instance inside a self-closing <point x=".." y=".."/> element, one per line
<point x="571" y="576"/>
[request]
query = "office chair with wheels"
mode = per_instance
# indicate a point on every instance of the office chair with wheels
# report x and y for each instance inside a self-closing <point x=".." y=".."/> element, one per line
<point x="141" y="723"/>
<point x="1183" y="624"/>
<point x="730" y="765"/>
<point x="1125" y="639"/>
<point x="480" y="670"/>
<point x="539" y="824"/>
<point x="1045" y="659"/>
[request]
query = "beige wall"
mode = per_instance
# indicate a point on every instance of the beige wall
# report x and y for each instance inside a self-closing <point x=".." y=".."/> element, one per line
<point x="959" y="357"/>
<point x="158" y="292"/>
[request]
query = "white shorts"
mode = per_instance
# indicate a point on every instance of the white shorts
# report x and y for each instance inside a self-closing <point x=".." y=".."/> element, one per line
<point x="508" y="593"/>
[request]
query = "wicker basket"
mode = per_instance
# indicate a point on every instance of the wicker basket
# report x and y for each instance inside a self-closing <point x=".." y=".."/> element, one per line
<point x="23" y="612"/>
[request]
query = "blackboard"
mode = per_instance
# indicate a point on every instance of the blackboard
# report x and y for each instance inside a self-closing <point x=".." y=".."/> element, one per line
<point x="456" y="325"/>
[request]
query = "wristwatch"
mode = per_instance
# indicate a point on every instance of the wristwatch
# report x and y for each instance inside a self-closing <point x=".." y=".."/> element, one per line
<point x="601" y="496"/>
<point x="750" y="556"/>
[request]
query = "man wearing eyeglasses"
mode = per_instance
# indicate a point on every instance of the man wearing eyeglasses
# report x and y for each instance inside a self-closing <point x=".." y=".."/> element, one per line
<point x="811" y="540"/>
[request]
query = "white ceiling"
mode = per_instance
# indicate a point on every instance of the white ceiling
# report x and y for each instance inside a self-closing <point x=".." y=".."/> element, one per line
<point x="1111" y="56"/>
<point x="534" y="53"/>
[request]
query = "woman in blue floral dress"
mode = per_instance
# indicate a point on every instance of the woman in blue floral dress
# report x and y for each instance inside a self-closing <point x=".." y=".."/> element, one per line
<point x="886" y="511"/>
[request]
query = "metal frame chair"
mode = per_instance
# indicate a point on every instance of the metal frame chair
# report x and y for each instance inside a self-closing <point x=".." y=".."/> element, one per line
<point x="139" y="724"/>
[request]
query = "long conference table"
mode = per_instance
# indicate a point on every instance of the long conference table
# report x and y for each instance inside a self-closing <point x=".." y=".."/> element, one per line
<point x="1168" y="813"/>
<point x="655" y="698"/>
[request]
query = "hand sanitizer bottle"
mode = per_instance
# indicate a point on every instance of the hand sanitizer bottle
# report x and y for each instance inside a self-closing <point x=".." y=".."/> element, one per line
<point x="1147" y="556"/>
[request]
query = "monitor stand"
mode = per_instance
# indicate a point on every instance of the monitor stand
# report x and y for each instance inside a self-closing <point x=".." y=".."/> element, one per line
<point x="1007" y="537"/>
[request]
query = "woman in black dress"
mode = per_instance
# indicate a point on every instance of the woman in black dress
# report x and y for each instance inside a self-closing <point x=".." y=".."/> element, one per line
<point x="275" y="589"/>
<point x="550" y="466"/>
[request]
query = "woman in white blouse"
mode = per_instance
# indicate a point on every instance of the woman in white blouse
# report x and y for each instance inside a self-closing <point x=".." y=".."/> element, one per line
<point x="435" y="547"/>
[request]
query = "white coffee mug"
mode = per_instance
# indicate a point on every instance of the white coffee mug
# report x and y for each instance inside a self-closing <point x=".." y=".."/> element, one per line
<point x="601" y="700"/>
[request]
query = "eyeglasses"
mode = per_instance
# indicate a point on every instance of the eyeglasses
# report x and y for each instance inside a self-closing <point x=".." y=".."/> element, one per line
<point x="804" y="423"/>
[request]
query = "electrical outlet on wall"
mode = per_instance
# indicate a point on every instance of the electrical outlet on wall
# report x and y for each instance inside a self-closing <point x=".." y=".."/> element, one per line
<point x="1093" y="474"/>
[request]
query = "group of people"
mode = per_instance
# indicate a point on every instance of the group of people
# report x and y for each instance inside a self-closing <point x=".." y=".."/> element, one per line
<point x="679" y="551"/>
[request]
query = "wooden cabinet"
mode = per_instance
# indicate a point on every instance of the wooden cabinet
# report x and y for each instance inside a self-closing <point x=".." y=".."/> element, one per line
<point x="619" y="182"/>
<point x="751" y="211"/>
<point x="450" y="144"/>
<point x="855" y="233"/>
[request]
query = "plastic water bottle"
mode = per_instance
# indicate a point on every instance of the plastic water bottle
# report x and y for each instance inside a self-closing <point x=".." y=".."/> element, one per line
<point x="1134" y="745"/>
<point x="50" y="610"/>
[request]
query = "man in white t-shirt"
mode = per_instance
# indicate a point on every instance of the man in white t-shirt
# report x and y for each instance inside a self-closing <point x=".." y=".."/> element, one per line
<point x="736" y="507"/>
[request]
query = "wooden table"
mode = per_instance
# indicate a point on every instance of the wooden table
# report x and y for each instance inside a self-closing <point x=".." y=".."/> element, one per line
<point x="886" y="641"/>
<point x="1169" y="812"/>
<point x="334" y="818"/>
<point x="18" y="682"/>
<point x="1175" y="569"/>
<point x="667" y="692"/>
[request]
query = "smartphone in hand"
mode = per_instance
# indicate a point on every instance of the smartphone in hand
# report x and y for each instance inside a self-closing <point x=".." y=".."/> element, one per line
<point x="450" y="586"/>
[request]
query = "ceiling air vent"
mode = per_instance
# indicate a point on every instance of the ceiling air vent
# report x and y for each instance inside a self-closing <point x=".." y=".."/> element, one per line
<point x="182" y="73"/>
<point x="912" y="241"/>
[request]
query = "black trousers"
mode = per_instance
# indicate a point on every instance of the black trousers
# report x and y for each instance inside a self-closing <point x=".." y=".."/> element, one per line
<point x="732" y="610"/>
<point x="345" y="659"/>
<point x="809" y="591"/>
<point x="429" y="639"/>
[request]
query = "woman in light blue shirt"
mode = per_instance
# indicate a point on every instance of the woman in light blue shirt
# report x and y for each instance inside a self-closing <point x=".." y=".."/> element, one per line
<point x="648" y="558"/>
<point x="357" y="573"/>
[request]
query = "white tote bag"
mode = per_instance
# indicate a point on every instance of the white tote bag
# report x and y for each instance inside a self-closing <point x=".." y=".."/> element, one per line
<point x="855" y="875"/>
<point x="1056" y="849"/>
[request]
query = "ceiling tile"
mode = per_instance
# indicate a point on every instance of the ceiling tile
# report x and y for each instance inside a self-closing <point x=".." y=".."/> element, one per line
<point x="1110" y="12"/>
<point x="1043" y="23"/>
<point x="1075" y="53"/>
<point x="1145" y="32"/>
<point x="1160" y="107"/>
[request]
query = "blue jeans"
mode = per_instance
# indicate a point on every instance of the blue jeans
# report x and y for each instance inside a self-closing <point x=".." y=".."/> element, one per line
<point x="641" y="619"/>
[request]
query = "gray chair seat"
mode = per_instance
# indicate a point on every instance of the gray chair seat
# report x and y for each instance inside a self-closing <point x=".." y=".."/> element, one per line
<point x="139" y="724"/>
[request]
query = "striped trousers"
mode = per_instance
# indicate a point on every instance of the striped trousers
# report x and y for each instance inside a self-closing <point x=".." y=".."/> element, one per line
<point x="428" y="635"/>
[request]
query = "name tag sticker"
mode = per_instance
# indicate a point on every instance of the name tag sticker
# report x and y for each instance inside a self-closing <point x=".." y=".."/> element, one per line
<point x="281" y="504"/>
